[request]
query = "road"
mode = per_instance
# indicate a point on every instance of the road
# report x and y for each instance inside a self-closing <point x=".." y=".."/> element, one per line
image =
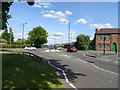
<point x="82" y="71"/>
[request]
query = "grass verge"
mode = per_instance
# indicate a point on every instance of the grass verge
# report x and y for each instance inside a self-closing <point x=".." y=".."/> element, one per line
<point x="21" y="71"/>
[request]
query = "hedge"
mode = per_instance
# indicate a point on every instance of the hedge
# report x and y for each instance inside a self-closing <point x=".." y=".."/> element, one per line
<point x="15" y="45"/>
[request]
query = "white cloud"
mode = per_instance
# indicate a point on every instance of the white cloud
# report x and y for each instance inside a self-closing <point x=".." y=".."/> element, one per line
<point x="60" y="16"/>
<point x="52" y="11"/>
<point x="53" y="37"/>
<point x="49" y="16"/>
<point x="35" y="5"/>
<point x="63" y="21"/>
<point x="61" y="37"/>
<point x="93" y="26"/>
<point x="59" y="34"/>
<point x="68" y="12"/>
<point x="42" y="5"/>
<point x="19" y="34"/>
<point x="72" y="32"/>
<point x="81" y="20"/>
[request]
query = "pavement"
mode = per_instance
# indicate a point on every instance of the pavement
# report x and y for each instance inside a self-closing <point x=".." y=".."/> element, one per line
<point x="99" y="54"/>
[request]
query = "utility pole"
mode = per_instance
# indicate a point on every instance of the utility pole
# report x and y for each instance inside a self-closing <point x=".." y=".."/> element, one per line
<point x="23" y="31"/>
<point x="69" y="33"/>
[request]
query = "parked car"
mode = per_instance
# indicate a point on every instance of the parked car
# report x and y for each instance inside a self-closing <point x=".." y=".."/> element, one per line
<point x="71" y="49"/>
<point x="30" y="48"/>
<point x="59" y="48"/>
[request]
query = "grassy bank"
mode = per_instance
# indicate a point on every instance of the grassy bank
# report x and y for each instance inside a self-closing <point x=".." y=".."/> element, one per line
<point x="21" y="71"/>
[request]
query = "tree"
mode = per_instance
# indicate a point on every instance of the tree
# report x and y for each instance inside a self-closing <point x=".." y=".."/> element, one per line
<point x="5" y="11"/>
<point x="7" y="36"/>
<point x="38" y="36"/>
<point x="82" y="42"/>
<point x="11" y="35"/>
<point x="19" y="42"/>
<point x="5" y="16"/>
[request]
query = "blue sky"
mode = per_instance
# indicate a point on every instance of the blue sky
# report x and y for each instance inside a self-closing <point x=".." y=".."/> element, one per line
<point x="84" y="17"/>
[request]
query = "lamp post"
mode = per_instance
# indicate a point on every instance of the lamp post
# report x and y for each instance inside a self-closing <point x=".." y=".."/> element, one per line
<point x="104" y="45"/>
<point x="10" y="37"/>
<point x="54" y="40"/>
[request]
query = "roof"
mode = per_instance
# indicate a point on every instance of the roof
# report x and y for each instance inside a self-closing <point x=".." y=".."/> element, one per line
<point x="3" y="40"/>
<point x="108" y="31"/>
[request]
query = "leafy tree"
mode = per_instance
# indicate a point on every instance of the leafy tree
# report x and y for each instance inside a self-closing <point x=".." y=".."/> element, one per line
<point x="82" y="42"/>
<point x="5" y="11"/>
<point x="5" y="16"/>
<point x="93" y="42"/>
<point x="5" y="35"/>
<point x="11" y="35"/>
<point x="19" y="42"/>
<point x="38" y="36"/>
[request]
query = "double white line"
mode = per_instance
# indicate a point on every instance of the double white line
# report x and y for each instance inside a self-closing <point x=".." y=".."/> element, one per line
<point x="66" y="78"/>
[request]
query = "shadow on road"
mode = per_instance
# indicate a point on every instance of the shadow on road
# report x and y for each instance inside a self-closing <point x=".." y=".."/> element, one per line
<point x="69" y="73"/>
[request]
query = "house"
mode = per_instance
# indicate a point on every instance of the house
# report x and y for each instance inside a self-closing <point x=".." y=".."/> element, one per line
<point x="3" y="41"/>
<point x="107" y="39"/>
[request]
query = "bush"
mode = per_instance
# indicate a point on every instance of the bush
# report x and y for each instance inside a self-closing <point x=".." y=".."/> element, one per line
<point x="15" y="45"/>
<point x="91" y="47"/>
<point x="5" y="46"/>
<point x="85" y="47"/>
<point x="82" y="47"/>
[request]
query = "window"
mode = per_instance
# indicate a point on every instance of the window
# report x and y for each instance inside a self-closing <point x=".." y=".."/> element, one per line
<point x="102" y="45"/>
<point x="107" y="45"/>
<point x="99" y="45"/>
<point x="103" y="37"/>
<point x="99" y="37"/>
<point x="107" y="37"/>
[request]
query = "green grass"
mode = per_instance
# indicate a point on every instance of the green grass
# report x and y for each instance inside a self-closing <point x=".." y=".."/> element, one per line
<point x="21" y="71"/>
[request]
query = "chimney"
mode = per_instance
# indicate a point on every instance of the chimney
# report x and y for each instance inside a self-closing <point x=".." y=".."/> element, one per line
<point x="96" y="30"/>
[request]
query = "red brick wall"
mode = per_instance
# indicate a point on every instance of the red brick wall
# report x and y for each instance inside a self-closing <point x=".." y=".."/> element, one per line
<point x="114" y="38"/>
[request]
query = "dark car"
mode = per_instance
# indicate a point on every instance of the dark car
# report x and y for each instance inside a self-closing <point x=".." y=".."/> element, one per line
<point x="71" y="49"/>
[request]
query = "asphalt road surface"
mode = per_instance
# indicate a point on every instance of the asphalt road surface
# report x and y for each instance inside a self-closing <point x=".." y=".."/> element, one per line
<point x="82" y="71"/>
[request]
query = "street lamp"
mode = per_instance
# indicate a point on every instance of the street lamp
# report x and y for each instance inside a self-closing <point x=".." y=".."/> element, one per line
<point x="104" y="45"/>
<point x="10" y="37"/>
<point x="23" y="30"/>
<point x="54" y="40"/>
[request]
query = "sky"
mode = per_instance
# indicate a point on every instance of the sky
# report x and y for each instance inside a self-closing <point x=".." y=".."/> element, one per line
<point x="84" y="18"/>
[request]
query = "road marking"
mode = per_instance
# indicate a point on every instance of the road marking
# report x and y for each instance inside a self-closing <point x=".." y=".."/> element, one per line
<point x="82" y="60"/>
<point x="111" y="81"/>
<point x="66" y="78"/>
<point x="98" y="67"/>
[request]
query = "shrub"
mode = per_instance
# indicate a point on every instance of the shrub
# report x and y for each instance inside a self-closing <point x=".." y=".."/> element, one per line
<point x="85" y="47"/>
<point x="5" y="46"/>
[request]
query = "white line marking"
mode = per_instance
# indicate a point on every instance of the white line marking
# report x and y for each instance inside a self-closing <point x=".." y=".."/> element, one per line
<point x="98" y="67"/>
<point x="64" y="75"/>
<point x="101" y="68"/>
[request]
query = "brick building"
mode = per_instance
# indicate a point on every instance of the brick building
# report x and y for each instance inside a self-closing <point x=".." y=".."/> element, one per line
<point x="107" y="39"/>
